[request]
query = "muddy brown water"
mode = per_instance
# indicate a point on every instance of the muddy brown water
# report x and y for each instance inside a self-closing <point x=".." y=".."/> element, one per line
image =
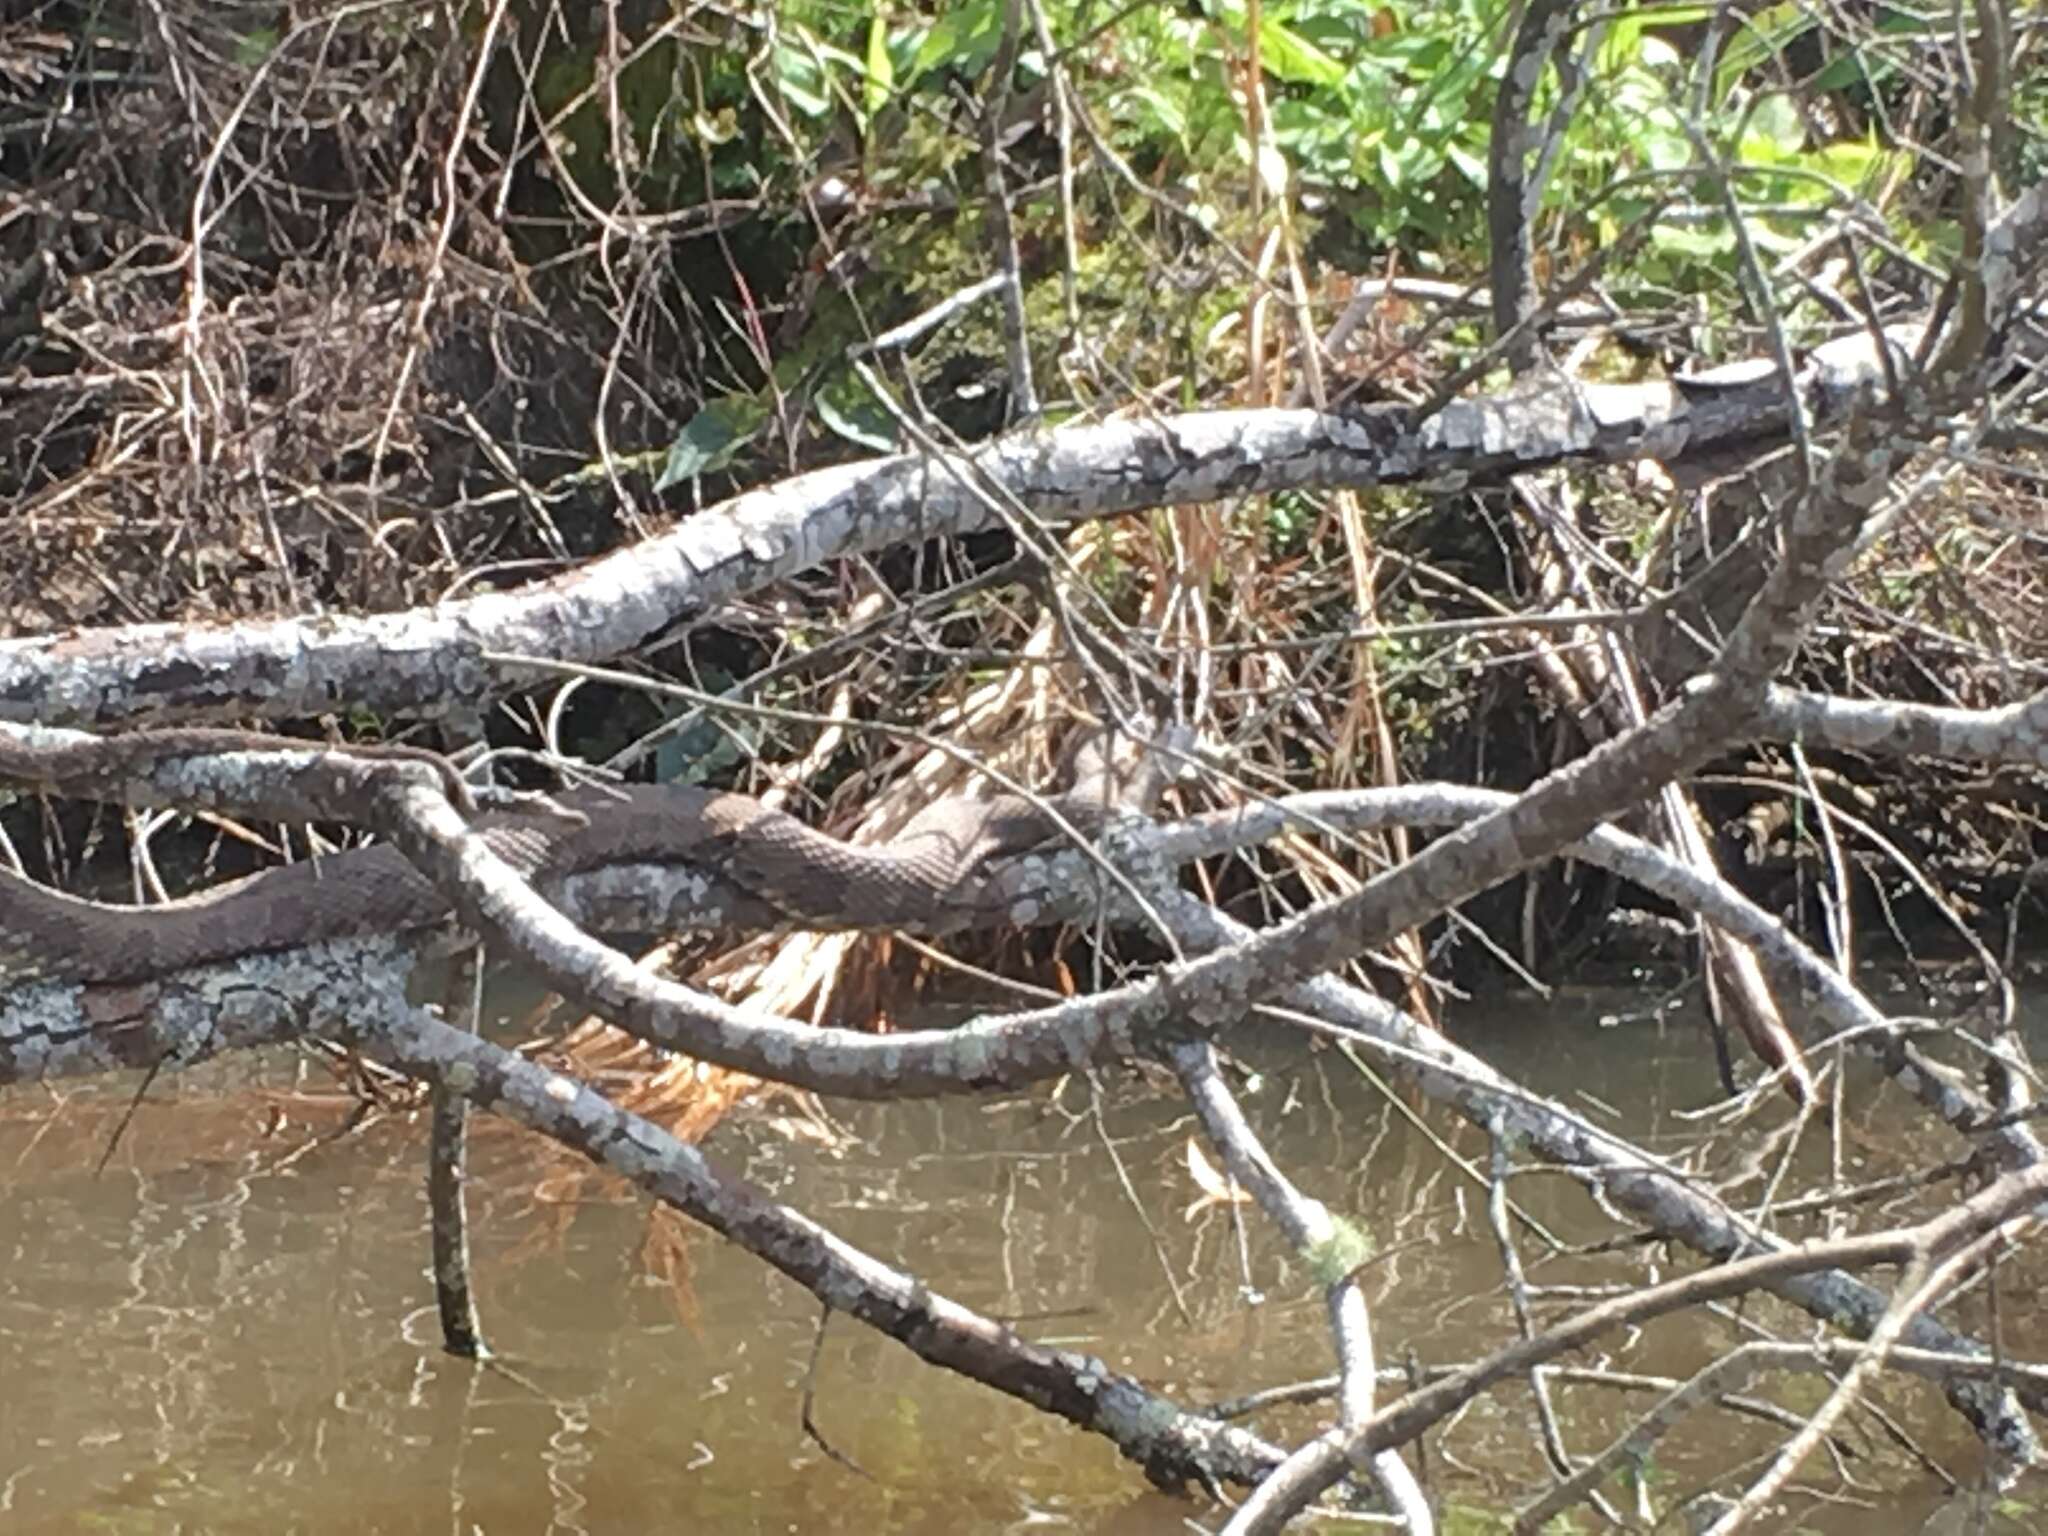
<point x="231" y="1328"/>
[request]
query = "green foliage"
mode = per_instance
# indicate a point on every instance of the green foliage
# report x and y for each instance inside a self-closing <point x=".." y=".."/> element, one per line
<point x="850" y="409"/>
<point x="1382" y="111"/>
<point x="963" y="40"/>
<point x="1385" y="118"/>
<point x="1290" y="518"/>
<point x="712" y="439"/>
<point x="1629" y="149"/>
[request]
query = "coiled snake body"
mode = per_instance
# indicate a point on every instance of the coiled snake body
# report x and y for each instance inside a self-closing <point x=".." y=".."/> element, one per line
<point x="932" y="872"/>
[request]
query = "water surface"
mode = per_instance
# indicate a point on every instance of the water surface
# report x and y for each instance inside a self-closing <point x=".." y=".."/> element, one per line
<point x="230" y="1328"/>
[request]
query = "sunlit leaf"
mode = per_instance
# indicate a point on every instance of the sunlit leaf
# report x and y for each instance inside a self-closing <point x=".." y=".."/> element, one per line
<point x="801" y="79"/>
<point x="880" y="79"/>
<point x="1701" y="242"/>
<point x="1393" y="168"/>
<point x="1156" y="108"/>
<point x="1853" y="164"/>
<point x="964" y="39"/>
<point x="857" y="416"/>
<point x="1469" y="165"/>
<point x="1773" y="133"/>
<point x="1286" y="55"/>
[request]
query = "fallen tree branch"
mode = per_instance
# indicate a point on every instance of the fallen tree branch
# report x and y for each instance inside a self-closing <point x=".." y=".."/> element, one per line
<point x="428" y="662"/>
<point x="1174" y="1446"/>
<point x="1323" y="1460"/>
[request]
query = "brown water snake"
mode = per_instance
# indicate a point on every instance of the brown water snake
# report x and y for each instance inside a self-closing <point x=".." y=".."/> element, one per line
<point x="924" y="876"/>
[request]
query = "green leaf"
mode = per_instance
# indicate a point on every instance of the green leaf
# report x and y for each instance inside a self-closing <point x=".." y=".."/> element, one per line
<point x="1773" y="134"/>
<point x="1760" y="39"/>
<point x="1701" y="243"/>
<point x="1145" y="107"/>
<point x="1635" y="37"/>
<point x="1393" y="167"/>
<point x="857" y="416"/>
<point x="1845" y="70"/>
<point x="805" y="67"/>
<point x="1289" y="56"/>
<point x="1471" y="166"/>
<point x="1852" y="163"/>
<point x="801" y="78"/>
<point x="1665" y="151"/>
<point x="1772" y="243"/>
<point x="880" y="83"/>
<point x="712" y="439"/>
<point x="964" y="38"/>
